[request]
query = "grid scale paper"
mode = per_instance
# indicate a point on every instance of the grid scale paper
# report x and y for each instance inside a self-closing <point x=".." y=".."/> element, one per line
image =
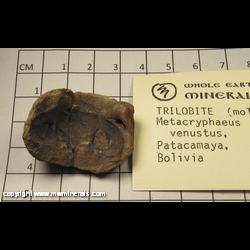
<point x="107" y="72"/>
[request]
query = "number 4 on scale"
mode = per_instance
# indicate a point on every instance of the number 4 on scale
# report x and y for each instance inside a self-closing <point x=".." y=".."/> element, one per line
<point x="30" y="167"/>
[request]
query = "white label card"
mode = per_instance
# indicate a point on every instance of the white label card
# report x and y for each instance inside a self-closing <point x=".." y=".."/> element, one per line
<point x="192" y="131"/>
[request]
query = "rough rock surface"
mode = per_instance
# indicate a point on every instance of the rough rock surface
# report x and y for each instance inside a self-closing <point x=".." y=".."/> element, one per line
<point x="88" y="131"/>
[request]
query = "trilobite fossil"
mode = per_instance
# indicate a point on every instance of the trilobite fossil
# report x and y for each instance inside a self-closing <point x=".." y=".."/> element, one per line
<point x="88" y="131"/>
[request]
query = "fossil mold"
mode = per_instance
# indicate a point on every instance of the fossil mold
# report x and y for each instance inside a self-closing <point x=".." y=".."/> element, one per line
<point x="88" y="131"/>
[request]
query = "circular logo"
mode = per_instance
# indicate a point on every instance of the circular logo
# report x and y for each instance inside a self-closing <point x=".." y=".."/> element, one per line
<point x="164" y="91"/>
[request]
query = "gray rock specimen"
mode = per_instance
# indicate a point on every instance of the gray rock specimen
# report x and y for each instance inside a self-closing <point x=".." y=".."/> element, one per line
<point x="88" y="131"/>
